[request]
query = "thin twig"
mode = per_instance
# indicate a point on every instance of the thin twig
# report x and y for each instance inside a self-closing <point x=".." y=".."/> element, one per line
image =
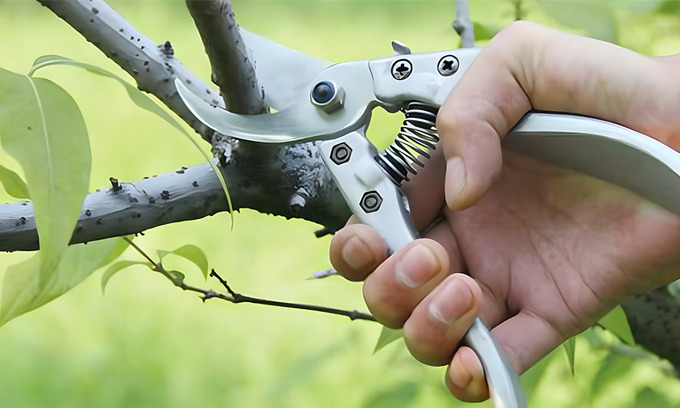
<point x="463" y="25"/>
<point x="238" y="298"/>
<point x="235" y="297"/>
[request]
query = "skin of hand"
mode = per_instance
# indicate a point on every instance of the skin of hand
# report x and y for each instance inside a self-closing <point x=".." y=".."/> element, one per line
<point x="540" y="253"/>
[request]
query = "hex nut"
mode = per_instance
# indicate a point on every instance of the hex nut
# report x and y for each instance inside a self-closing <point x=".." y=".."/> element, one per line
<point x="340" y="153"/>
<point x="371" y="201"/>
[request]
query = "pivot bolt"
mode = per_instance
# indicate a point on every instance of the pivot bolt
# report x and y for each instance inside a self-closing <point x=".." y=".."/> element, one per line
<point x="371" y="201"/>
<point x="402" y="69"/>
<point x="327" y="96"/>
<point x="340" y="153"/>
<point x="448" y="65"/>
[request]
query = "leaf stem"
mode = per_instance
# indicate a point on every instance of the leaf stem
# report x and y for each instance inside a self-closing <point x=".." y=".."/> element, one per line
<point x="235" y="297"/>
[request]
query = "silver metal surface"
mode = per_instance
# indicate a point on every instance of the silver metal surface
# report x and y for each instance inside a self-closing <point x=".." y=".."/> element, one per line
<point x="604" y="150"/>
<point x="366" y="84"/>
<point x="504" y="386"/>
<point x="281" y="71"/>
<point x="598" y="148"/>
<point x="425" y="83"/>
<point x="360" y="174"/>
<point x="302" y="119"/>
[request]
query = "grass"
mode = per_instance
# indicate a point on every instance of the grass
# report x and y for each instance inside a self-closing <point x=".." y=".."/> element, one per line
<point x="145" y="344"/>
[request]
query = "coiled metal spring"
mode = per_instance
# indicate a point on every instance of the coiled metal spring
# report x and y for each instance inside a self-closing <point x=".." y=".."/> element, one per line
<point x="416" y="138"/>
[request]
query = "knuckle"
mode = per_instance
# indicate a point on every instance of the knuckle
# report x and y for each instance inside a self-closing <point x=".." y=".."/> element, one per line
<point x="427" y="349"/>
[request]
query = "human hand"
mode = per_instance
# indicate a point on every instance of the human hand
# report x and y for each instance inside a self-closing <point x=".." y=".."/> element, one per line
<point x="539" y="252"/>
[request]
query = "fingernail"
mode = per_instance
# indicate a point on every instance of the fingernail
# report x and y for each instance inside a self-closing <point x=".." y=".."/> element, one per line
<point x="451" y="302"/>
<point x="459" y="376"/>
<point x="469" y="374"/>
<point x="417" y="266"/>
<point x="357" y="254"/>
<point x="455" y="180"/>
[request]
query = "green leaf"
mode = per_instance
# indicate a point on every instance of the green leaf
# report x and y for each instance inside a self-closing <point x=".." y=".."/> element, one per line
<point x="139" y="99"/>
<point x="651" y="398"/>
<point x="609" y="371"/>
<point x="117" y="267"/>
<point x="387" y="336"/>
<point x="674" y="288"/>
<point x="43" y="129"/>
<point x="669" y="7"/>
<point x="22" y="290"/>
<point x="484" y="32"/>
<point x="570" y="348"/>
<point x="13" y="183"/>
<point x="177" y="277"/>
<point x="641" y="6"/>
<point x="595" y="18"/>
<point x="617" y="323"/>
<point x="191" y="253"/>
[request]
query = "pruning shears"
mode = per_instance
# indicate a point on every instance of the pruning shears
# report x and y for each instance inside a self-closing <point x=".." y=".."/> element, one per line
<point x="332" y="103"/>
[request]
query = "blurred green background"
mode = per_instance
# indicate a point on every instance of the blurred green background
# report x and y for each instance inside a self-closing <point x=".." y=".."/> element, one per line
<point x="146" y="344"/>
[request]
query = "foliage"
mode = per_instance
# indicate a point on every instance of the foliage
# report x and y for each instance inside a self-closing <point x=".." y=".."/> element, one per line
<point x="42" y="128"/>
<point x="24" y="289"/>
<point x="153" y="346"/>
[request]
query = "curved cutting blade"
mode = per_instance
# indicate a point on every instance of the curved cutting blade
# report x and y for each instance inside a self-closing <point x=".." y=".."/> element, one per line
<point x="281" y="71"/>
<point x="301" y="119"/>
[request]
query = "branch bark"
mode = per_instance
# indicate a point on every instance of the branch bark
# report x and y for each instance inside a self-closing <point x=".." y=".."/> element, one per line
<point x="289" y="180"/>
<point x="153" y="66"/>
<point x="232" y="70"/>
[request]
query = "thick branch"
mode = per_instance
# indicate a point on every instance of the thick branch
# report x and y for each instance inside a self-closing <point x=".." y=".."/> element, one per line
<point x="654" y="319"/>
<point x="192" y="193"/>
<point x="124" y="208"/>
<point x="288" y="180"/>
<point x="232" y="70"/>
<point x="285" y="180"/>
<point x="154" y="67"/>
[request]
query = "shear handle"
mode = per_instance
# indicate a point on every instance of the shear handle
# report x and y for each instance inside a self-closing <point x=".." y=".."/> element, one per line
<point x="379" y="203"/>
<point x="604" y="150"/>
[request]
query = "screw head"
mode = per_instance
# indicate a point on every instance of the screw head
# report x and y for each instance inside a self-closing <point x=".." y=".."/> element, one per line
<point x="371" y="201"/>
<point x="340" y="153"/>
<point x="448" y="65"/>
<point x="401" y="69"/>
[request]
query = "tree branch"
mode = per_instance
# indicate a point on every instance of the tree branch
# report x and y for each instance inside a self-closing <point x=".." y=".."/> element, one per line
<point x="153" y="67"/>
<point x="232" y="70"/>
<point x="235" y="297"/>
<point x="129" y="208"/>
<point x="289" y="180"/>
<point x="286" y="180"/>
<point x="653" y="319"/>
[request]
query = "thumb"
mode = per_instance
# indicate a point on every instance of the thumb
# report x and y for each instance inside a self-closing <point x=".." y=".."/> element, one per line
<point x="527" y="66"/>
<point x="487" y="101"/>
